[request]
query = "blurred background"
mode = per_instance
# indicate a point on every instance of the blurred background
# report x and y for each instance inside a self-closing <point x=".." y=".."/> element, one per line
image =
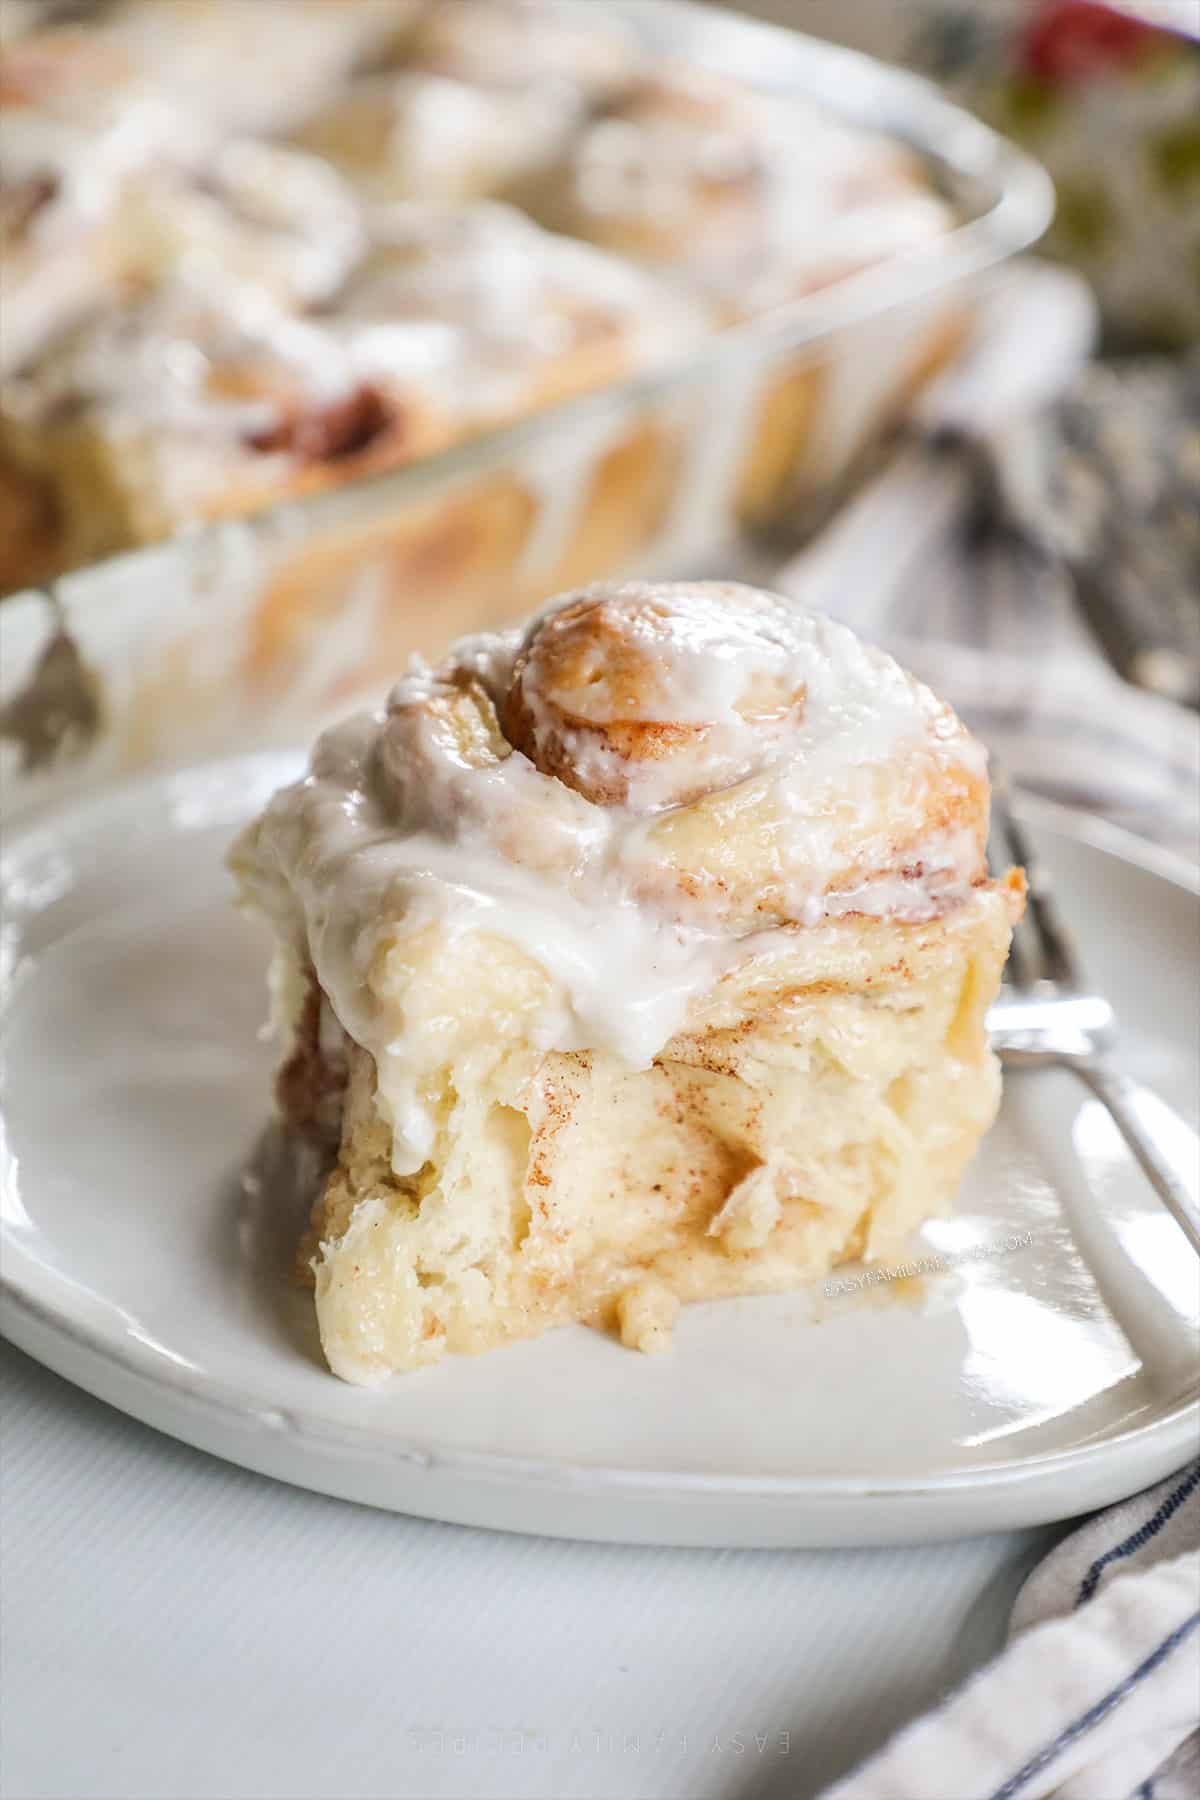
<point x="476" y="300"/>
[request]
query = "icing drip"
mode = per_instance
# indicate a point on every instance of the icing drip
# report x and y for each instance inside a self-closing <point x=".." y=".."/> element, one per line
<point x="530" y="789"/>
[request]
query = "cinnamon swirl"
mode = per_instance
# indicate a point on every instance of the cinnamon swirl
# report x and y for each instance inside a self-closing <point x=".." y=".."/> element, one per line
<point x="646" y="954"/>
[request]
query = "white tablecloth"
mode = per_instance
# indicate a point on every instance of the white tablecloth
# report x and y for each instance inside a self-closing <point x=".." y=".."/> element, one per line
<point x="175" y="1627"/>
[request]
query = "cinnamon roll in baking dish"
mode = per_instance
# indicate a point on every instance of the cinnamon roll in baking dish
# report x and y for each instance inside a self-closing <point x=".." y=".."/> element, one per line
<point x="753" y="201"/>
<point x="753" y="204"/>
<point x="637" y="959"/>
<point x="195" y="403"/>
<point x="208" y="397"/>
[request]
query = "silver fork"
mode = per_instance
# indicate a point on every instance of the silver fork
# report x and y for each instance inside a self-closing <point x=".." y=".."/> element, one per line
<point x="1046" y="1014"/>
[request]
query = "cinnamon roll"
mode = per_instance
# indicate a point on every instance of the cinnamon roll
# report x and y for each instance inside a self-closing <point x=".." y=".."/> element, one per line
<point x="207" y="398"/>
<point x="524" y="319"/>
<point x="751" y="205"/>
<point x="635" y="959"/>
<point x="753" y="201"/>
<point x="200" y="402"/>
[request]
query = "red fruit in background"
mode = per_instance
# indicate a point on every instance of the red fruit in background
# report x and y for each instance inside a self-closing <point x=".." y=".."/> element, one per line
<point x="1071" y="40"/>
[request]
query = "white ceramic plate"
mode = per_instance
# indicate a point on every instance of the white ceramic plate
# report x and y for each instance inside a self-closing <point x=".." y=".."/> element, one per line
<point x="1047" y="1363"/>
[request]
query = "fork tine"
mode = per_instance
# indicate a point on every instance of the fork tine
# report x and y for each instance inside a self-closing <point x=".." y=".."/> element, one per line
<point x="1056" y="957"/>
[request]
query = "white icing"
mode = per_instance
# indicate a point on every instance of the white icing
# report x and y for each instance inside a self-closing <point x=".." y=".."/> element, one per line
<point x="125" y="173"/>
<point x="514" y="301"/>
<point x="652" y="170"/>
<point x="764" y="683"/>
<point x="246" y="212"/>
<point x="333" y="866"/>
<point x="430" y="134"/>
<point x="468" y="309"/>
<point x="394" y="827"/>
<point x="153" y="365"/>
<point x="763" y="200"/>
<point x="86" y="154"/>
<point x="486" y="268"/>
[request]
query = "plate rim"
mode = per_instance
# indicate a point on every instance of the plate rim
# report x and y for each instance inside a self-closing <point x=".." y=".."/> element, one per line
<point x="231" y="1406"/>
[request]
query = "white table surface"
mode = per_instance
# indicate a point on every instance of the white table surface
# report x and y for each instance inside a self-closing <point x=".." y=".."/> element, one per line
<point x="172" y="1626"/>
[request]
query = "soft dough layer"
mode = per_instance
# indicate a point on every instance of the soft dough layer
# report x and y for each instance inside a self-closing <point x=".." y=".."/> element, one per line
<point x="825" y="1101"/>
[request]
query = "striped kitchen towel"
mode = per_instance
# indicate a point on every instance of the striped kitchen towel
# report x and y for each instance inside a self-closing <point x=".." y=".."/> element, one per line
<point x="1097" y="1695"/>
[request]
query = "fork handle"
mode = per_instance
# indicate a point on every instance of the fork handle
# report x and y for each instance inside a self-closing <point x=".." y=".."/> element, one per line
<point x="1121" y="1096"/>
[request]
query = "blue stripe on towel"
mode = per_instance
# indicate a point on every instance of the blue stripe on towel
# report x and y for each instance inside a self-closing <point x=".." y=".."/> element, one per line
<point x="1142" y="1535"/>
<point x="1082" y="1725"/>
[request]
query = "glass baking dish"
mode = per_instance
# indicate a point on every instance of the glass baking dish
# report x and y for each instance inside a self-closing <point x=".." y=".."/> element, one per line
<point x="254" y="630"/>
